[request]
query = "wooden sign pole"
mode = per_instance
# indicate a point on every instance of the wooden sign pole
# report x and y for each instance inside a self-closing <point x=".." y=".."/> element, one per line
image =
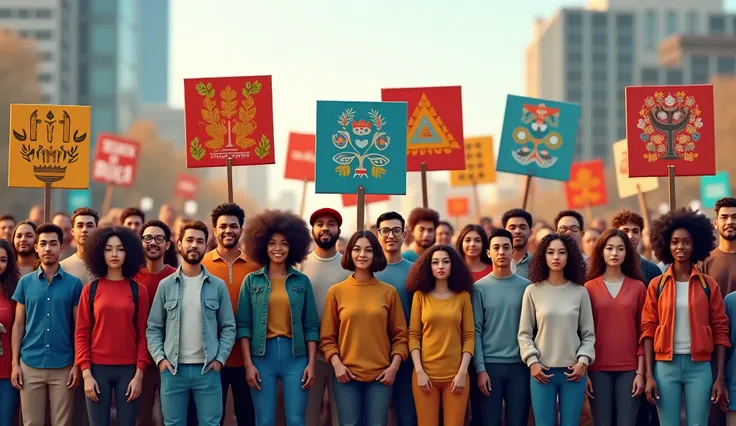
<point x="476" y="201"/>
<point x="589" y="212"/>
<point x="47" y="202"/>
<point x="643" y="206"/>
<point x="671" y="186"/>
<point x="425" y="201"/>
<point x="107" y="201"/>
<point x="361" y="208"/>
<point x="303" y="204"/>
<point x="527" y="186"/>
<point x="229" y="180"/>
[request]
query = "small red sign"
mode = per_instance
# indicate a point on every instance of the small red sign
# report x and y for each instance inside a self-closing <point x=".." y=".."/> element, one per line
<point x="116" y="160"/>
<point x="300" y="157"/>
<point x="587" y="185"/>
<point x="349" y="200"/>
<point x="186" y="186"/>
<point x="458" y="206"/>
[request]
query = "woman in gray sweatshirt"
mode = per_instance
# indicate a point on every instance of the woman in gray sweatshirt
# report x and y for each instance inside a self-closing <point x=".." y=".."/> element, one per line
<point x="556" y="331"/>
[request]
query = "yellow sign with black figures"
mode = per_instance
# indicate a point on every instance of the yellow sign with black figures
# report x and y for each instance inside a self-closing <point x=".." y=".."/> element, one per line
<point x="480" y="164"/>
<point x="49" y="144"/>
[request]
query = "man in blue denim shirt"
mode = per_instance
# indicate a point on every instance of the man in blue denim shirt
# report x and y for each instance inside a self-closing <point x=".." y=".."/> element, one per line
<point x="43" y="334"/>
<point x="191" y="331"/>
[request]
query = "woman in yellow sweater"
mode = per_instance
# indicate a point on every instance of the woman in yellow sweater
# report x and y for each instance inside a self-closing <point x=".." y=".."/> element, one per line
<point x="441" y="335"/>
<point x="363" y="335"/>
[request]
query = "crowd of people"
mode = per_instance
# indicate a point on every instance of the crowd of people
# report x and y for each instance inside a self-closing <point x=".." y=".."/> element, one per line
<point x="408" y="321"/>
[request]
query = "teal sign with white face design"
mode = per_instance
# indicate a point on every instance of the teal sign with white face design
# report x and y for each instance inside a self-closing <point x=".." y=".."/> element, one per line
<point x="713" y="188"/>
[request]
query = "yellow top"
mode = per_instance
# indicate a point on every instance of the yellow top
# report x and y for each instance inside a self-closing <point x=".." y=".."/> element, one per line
<point x="442" y="329"/>
<point x="279" y="310"/>
<point x="364" y="324"/>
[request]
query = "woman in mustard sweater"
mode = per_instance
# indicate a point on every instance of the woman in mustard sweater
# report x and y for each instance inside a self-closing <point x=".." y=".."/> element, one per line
<point x="363" y="335"/>
<point x="441" y="335"/>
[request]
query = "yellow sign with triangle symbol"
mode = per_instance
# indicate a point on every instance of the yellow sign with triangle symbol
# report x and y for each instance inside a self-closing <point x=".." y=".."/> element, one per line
<point x="427" y="133"/>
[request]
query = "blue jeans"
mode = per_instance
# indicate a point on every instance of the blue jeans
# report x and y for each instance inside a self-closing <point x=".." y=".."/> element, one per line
<point x="175" y="391"/>
<point x="279" y="363"/>
<point x="682" y="374"/>
<point x="362" y="403"/>
<point x="544" y="399"/>
<point x="403" y="397"/>
<point x="9" y="402"/>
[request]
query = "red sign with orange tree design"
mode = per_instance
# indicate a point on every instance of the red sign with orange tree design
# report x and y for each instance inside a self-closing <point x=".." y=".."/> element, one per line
<point x="587" y="185"/>
<point x="670" y="125"/>
<point x="228" y="117"/>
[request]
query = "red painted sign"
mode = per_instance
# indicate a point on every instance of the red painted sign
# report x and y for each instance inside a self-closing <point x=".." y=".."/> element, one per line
<point x="349" y="200"/>
<point x="300" y="157"/>
<point x="228" y="117"/>
<point x="186" y="186"/>
<point x="116" y="160"/>
<point x="671" y="125"/>
<point x="587" y="185"/>
<point x="458" y="206"/>
<point x="435" y="126"/>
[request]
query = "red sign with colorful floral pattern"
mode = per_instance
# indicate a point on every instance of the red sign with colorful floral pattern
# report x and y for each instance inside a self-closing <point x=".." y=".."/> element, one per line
<point x="670" y="125"/>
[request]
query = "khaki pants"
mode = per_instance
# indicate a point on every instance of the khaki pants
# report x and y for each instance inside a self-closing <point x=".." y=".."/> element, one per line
<point x="40" y="385"/>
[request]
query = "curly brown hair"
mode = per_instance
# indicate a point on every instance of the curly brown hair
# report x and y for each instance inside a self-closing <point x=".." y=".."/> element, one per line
<point x="420" y="276"/>
<point x="701" y="230"/>
<point x="574" y="270"/>
<point x="260" y="228"/>
<point x="630" y="265"/>
<point x="627" y="216"/>
<point x="421" y="214"/>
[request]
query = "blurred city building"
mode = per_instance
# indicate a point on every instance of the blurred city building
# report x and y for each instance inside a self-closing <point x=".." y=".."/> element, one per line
<point x="170" y="122"/>
<point x="153" y="58"/>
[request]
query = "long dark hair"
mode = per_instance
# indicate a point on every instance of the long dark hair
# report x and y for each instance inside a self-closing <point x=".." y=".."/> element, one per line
<point x="629" y="267"/>
<point x="485" y="243"/>
<point x="420" y="276"/>
<point x="574" y="269"/>
<point x="9" y="278"/>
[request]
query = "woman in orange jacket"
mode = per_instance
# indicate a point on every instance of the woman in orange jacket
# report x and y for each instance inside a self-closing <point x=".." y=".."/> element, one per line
<point x="684" y="322"/>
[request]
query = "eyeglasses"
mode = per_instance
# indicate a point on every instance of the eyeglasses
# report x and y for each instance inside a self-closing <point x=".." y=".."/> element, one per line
<point x="158" y="238"/>
<point x="385" y="231"/>
<point x="563" y="229"/>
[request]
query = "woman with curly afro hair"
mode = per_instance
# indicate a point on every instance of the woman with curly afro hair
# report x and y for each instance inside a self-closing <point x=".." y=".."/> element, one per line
<point x="556" y="330"/>
<point x="472" y="244"/>
<point x="364" y="335"/>
<point x="277" y="321"/>
<point x="110" y="331"/>
<point x="441" y="335"/>
<point x="684" y="322"/>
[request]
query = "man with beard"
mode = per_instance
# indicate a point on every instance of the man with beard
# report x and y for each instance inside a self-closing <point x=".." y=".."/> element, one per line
<point x="228" y="263"/>
<point x="324" y="269"/>
<point x="7" y="224"/>
<point x="43" y="335"/>
<point x="519" y="223"/>
<point x="84" y="221"/>
<point x="133" y="218"/>
<point x="191" y="331"/>
<point x="423" y="226"/>
<point x="391" y="237"/>
<point x="156" y="239"/>
<point x="63" y="221"/>
<point x="24" y="236"/>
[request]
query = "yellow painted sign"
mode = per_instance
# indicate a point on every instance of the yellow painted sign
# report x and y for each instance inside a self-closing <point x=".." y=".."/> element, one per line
<point x="480" y="164"/>
<point x="49" y="144"/>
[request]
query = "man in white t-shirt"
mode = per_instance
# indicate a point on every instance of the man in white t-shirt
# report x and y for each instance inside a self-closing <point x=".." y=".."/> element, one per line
<point x="84" y="222"/>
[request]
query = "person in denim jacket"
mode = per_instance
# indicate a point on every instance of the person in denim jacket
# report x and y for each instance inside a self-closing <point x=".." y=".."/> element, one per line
<point x="191" y="331"/>
<point x="277" y="321"/>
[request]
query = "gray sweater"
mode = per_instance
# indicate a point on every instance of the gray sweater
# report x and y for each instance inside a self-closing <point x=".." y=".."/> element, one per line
<point x="562" y="317"/>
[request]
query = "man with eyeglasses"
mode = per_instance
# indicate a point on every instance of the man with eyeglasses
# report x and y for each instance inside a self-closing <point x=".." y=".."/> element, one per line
<point x="570" y="222"/>
<point x="391" y="236"/>
<point x="156" y="239"/>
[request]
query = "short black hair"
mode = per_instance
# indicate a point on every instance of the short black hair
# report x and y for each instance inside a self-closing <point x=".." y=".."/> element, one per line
<point x="60" y="213"/>
<point x="94" y="251"/>
<point x="132" y="211"/>
<point x="575" y="268"/>
<point x="263" y="226"/>
<point x="228" y="209"/>
<point x="502" y="233"/>
<point x="421" y="214"/>
<point x="86" y="211"/>
<point x="158" y="224"/>
<point x="725" y="202"/>
<point x="7" y="217"/>
<point x="379" y="259"/>
<point x="196" y="225"/>
<point x="49" y="228"/>
<point x="485" y="219"/>
<point x="392" y="215"/>
<point x="700" y="228"/>
<point x="571" y="213"/>
<point x="517" y="213"/>
<point x="447" y="224"/>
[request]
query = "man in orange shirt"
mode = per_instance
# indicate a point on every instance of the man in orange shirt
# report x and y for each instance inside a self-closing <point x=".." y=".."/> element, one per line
<point x="229" y="264"/>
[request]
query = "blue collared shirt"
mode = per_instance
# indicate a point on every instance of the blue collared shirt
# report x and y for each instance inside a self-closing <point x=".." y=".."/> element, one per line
<point x="49" y="338"/>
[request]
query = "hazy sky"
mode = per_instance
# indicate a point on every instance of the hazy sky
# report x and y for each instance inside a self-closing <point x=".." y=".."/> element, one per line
<point x="349" y="50"/>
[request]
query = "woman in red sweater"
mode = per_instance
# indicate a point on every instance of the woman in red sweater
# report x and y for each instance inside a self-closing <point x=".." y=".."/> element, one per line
<point x="473" y="246"/>
<point x="9" y="276"/>
<point x="617" y="292"/>
<point x="111" y="326"/>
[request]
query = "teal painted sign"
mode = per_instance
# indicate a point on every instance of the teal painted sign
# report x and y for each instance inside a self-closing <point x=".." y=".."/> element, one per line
<point x="76" y="198"/>
<point x="713" y="188"/>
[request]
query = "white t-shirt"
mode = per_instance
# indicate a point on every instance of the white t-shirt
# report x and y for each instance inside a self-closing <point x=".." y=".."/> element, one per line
<point x="613" y="287"/>
<point x="682" y="319"/>
<point x="74" y="265"/>
<point x="323" y="273"/>
<point x="191" y="341"/>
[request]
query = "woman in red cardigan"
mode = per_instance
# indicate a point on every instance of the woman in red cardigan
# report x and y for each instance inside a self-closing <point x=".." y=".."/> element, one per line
<point x="617" y="292"/>
<point x="110" y="333"/>
<point x="9" y="276"/>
